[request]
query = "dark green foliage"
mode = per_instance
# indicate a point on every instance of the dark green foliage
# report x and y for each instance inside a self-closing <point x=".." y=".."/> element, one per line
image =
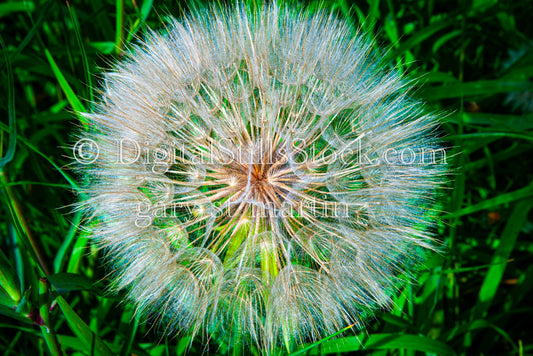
<point x="468" y="57"/>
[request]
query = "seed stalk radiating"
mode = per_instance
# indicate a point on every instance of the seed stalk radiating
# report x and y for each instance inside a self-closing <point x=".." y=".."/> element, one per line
<point x="261" y="176"/>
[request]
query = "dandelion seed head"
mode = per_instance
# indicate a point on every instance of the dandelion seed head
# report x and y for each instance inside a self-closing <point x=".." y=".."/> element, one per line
<point x="262" y="175"/>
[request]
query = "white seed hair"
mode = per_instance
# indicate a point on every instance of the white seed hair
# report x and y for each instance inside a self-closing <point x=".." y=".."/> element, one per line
<point x="226" y="144"/>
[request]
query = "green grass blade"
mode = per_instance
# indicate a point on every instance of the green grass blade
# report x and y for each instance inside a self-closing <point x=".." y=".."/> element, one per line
<point x="72" y="98"/>
<point x="35" y="28"/>
<point x="445" y="38"/>
<point x="482" y="135"/>
<point x="103" y="47"/>
<point x="23" y="233"/>
<point x="78" y="251"/>
<point x="119" y="26"/>
<point x="27" y="143"/>
<point x="482" y="87"/>
<point x="8" y="279"/>
<point x="90" y="340"/>
<point x="143" y="13"/>
<point x="419" y="37"/>
<point x="499" y="121"/>
<point x="314" y="345"/>
<point x="384" y="342"/>
<point x="68" y="282"/>
<point x="61" y="256"/>
<point x="522" y="193"/>
<point x="507" y="243"/>
<point x="16" y="6"/>
<point x="12" y="144"/>
<point x="132" y="331"/>
<point x="84" y="59"/>
<point x="10" y="313"/>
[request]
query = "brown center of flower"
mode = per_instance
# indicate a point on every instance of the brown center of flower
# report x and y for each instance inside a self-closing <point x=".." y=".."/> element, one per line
<point x="266" y="183"/>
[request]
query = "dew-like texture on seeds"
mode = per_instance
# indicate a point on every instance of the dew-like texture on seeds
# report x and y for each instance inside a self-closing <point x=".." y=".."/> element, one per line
<point x="260" y="175"/>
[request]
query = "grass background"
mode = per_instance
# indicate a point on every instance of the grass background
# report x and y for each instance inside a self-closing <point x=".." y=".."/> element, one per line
<point x="469" y="57"/>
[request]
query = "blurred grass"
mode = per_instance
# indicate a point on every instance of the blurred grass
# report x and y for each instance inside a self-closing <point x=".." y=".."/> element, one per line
<point x="469" y="57"/>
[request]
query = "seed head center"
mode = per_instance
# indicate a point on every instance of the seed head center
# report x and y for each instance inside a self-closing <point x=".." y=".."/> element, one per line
<point x="265" y="182"/>
<point x="263" y="186"/>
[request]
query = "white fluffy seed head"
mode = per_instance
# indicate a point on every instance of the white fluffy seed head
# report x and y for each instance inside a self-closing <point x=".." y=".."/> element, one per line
<point x="261" y="176"/>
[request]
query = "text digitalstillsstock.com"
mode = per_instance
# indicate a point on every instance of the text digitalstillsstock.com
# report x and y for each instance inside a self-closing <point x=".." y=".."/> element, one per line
<point x="162" y="157"/>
